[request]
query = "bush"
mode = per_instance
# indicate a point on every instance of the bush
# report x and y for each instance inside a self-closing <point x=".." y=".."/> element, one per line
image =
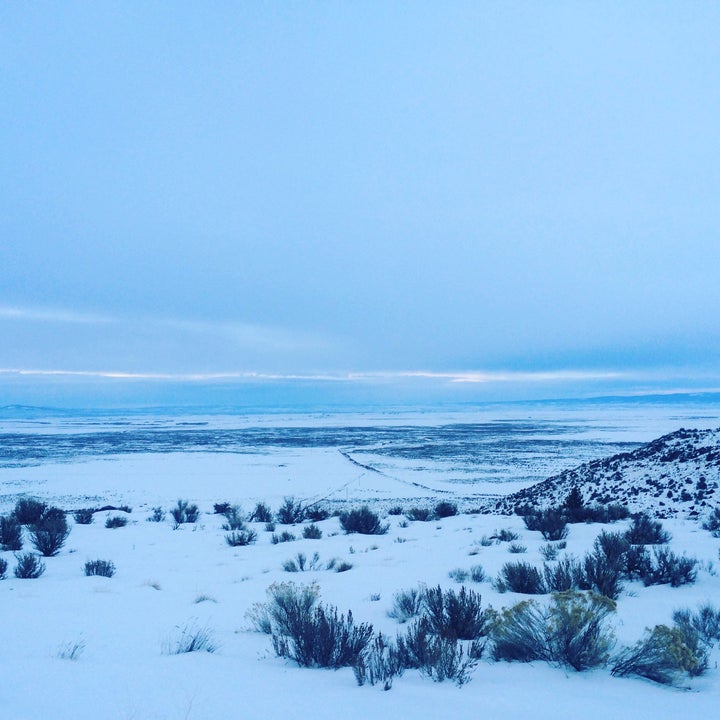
<point x="445" y="509"/>
<point x="571" y="631"/>
<point x="395" y="510"/>
<point x="29" y="566"/>
<point x="601" y="575"/>
<point x="645" y="531"/>
<point x="84" y="516"/>
<point x="549" y="552"/>
<point x="115" y="521"/>
<point x="380" y="664"/>
<point x="662" y="655"/>
<point x="518" y="634"/>
<point x="29" y="511"/>
<point x="669" y="568"/>
<point x="712" y="522"/>
<point x="342" y="566"/>
<point x="551" y="523"/>
<point x="290" y="512"/>
<point x="477" y="573"/>
<point x="364" y="521"/>
<point x="261" y="513"/>
<point x="191" y="639"/>
<point x="705" y="622"/>
<point x="184" y="512"/>
<point x="234" y="517"/>
<point x="284" y="536"/>
<point x="221" y="508"/>
<point x="458" y="616"/>
<point x="504" y="535"/>
<point x="576" y="628"/>
<point x="407" y="604"/>
<point x="419" y="514"/>
<point x="49" y="535"/>
<point x="440" y="658"/>
<point x="302" y="564"/>
<point x="3" y="568"/>
<point x="103" y="568"/>
<point x="313" y="635"/>
<point x="614" y="546"/>
<point x="520" y="577"/>
<point x="459" y="575"/>
<point x="517" y="548"/>
<point x="317" y="513"/>
<point x="10" y="533"/>
<point x="566" y="574"/>
<point x="312" y="532"/>
<point x="157" y="515"/>
<point x="240" y="538"/>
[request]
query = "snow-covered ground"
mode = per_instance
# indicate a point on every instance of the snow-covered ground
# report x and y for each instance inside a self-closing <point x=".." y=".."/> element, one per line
<point x="168" y="579"/>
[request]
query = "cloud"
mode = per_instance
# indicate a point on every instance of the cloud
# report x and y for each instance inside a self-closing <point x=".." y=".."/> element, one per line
<point x="52" y="315"/>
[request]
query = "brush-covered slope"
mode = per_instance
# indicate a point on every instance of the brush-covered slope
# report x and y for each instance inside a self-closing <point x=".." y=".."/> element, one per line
<point x="677" y="475"/>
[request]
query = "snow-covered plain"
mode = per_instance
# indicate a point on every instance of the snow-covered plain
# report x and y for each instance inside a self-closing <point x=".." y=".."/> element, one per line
<point x="170" y="578"/>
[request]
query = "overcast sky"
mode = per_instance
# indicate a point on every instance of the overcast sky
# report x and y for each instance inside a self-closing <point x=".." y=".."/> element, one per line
<point x="481" y="191"/>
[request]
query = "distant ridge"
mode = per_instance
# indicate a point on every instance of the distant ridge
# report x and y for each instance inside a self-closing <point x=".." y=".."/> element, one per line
<point x="677" y="475"/>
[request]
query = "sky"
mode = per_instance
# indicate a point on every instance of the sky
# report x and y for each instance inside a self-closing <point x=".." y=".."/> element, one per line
<point x="481" y="199"/>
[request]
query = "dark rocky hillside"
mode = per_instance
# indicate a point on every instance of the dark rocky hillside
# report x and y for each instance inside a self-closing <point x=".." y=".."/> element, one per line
<point x="677" y="475"/>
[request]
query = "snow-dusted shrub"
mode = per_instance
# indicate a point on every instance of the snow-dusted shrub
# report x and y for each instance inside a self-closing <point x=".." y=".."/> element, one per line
<point x="290" y="512"/>
<point x="103" y="568"/>
<point x="49" y="534"/>
<point x="440" y="658"/>
<point x="613" y="545"/>
<point x="504" y="535"/>
<point x="518" y="633"/>
<point x="662" y="655"/>
<point x="381" y="664"/>
<point x="301" y="563"/>
<point x="520" y="577"/>
<point x="317" y="513"/>
<point x="566" y="574"/>
<point x="342" y="566"/>
<point x="712" y="522"/>
<point x="395" y="510"/>
<point x="313" y="635"/>
<point x="157" y="515"/>
<point x="517" y="548"/>
<point x="549" y="552"/>
<point x="445" y="509"/>
<point x="29" y="566"/>
<point x="220" y="508"/>
<point x="551" y="523"/>
<point x="458" y="616"/>
<point x="234" y="519"/>
<point x="192" y="638"/>
<point x="364" y="521"/>
<point x="572" y="631"/>
<point x="312" y="532"/>
<point x="477" y="573"/>
<point x="646" y="531"/>
<point x="3" y="568"/>
<point x="419" y="514"/>
<point x="10" y="533"/>
<point x="602" y="575"/>
<point x="282" y="537"/>
<point x="184" y="512"/>
<point x="407" y="604"/>
<point x="705" y="622"/>
<point x="459" y="575"/>
<point x="115" y="521"/>
<point x="577" y="631"/>
<point x="240" y="538"/>
<point x="261" y="513"/>
<point x="84" y="516"/>
<point x="668" y="568"/>
<point x="28" y="511"/>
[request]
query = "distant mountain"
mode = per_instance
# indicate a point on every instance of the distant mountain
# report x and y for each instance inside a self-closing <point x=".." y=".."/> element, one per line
<point x="677" y="475"/>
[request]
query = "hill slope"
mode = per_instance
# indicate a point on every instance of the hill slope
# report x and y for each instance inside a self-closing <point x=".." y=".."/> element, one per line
<point x="677" y="475"/>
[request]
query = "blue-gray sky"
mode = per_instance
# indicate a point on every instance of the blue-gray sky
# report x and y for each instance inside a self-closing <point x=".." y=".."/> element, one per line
<point x="477" y="191"/>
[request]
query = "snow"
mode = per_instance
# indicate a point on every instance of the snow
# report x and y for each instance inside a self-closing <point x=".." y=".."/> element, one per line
<point x="121" y="624"/>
